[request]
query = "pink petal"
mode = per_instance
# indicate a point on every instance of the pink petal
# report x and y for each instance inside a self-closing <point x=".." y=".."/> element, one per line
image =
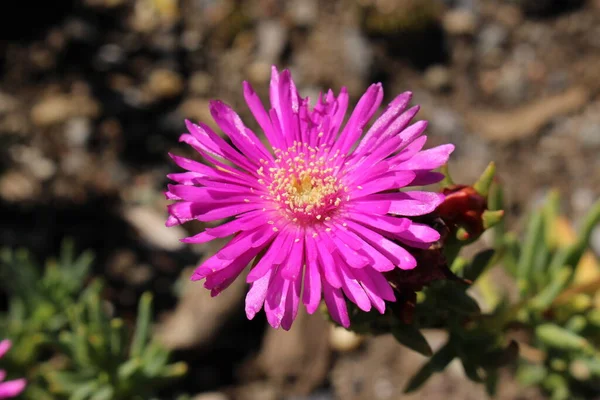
<point x="281" y="244"/>
<point x="383" y="222"/>
<point x="363" y="112"/>
<point x="12" y="388"/>
<point x="327" y="263"/>
<point x="336" y="304"/>
<point x="377" y="260"/>
<point x="419" y="235"/>
<point x="353" y="289"/>
<point x="429" y="159"/>
<point x="398" y="255"/>
<point x="389" y="181"/>
<point x="424" y="178"/>
<point x="257" y="293"/>
<point x="312" y="279"/>
<point x="406" y="203"/>
<point x="350" y="256"/>
<point x="220" y="280"/>
<point x="261" y="116"/>
<point x="392" y="111"/>
<point x="215" y="144"/>
<point x="371" y="289"/>
<point x="291" y="270"/>
<point x="276" y="299"/>
<point x="209" y="194"/>
<point x="5" y="346"/>
<point x="398" y="128"/>
<point x="242" y="137"/>
<point x="291" y="304"/>
<point x="337" y="117"/>
<point x="245" y="222"/>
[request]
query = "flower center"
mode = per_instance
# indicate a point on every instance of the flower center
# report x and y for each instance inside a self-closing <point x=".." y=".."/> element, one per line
<point x="304" y="182"/>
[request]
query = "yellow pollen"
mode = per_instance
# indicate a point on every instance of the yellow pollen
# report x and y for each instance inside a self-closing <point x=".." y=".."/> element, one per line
<point x="303" y="182"/>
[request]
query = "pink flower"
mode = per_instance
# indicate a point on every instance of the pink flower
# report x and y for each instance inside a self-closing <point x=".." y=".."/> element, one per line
<point x="318" y="209"/>
<point x="10" y="388"/>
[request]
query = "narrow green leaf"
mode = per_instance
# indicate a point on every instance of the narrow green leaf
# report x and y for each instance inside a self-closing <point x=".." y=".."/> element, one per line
<point x="531" y="374"/>
<point x="495" y="203"/>
<point x="558" y="282"/>
<point x="104" y="393"/>
<point x="572" y="254"/>
<point x="459" y="264"/>
<point x="453" y="297"/>
<point x="437" y="363"/>
<point x="412" y="338"/>
<point x="116" y="337"/>
<point x="419" y="379"/>
<point x="551" y="212"/>
<point x="554" y="336"/>
<point x="482" y="186"/>
<point x="491" y="383"/>
<point x="142" y="328"/>
<point x="492" y="218"/>
<point x="85" y="390"/>
<point x="129" y="368"/>
<point x="447" y="181"/>
<point x="478" y="265"/>
<point x="534" y="239"/>
<point x="576" y="323"/>
<point x="175" y="370"/>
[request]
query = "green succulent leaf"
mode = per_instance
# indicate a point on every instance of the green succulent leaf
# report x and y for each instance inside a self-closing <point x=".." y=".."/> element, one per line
<point x="411" y="337"/>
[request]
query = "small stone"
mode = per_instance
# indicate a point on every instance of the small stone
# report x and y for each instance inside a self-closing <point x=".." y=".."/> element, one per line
<point x="460" y="22"/>
<point x="303" y="12"/>
<point x="151" y="227"/>
<point x="582" y="200"/>
<point x="200" y="83"/>
<point x="59" y="108"/>
<point x="358" y="54"/>
<point x="491" y="38"/>
<point x="447" y="122"/>
<point x="437" y="78"/>
<point x="211" y="396"/>
<point x="509" y="15"/>
<point x="18" y="186"/>
<point x="139" y="275"/>
<point x="34" y="161"/>
<point x="191" y="40"/>
<point x="343" y="340"/>
<point x="7" y="103"/>
<point x="78" y="131"/>
<point x="512" y="85"/>
<point x="259" y="72"/>
<point x="164" y="83"/>
<point x="271" y="36"/>
<point x="589" y="133"/>
<point x="197" y="109"/>
<point x="525" y="121"/>
<point x="110" y="55"/>
<point x="51" y="111"/>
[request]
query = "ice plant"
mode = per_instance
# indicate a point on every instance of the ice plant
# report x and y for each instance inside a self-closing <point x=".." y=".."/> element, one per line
<point x="12" y="388"/>
<point x="318" y="210"/>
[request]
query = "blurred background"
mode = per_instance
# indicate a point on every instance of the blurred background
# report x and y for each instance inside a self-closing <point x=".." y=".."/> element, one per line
<point x="94" y="93"/>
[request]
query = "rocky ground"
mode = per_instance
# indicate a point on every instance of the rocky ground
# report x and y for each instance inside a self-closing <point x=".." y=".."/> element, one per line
<point x="93" y="95"/>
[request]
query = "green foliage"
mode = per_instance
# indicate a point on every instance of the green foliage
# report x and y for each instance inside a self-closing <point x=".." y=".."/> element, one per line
<point x="66" y="343"/>
<point x="556" y="309"/>
<point x="101" y="365"/>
